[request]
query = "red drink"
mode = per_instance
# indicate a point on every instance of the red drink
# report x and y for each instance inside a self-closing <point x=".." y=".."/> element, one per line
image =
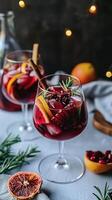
<point x="58" y="114"/>
<point x="19" y="83"/>
<point x="4" y="103"/>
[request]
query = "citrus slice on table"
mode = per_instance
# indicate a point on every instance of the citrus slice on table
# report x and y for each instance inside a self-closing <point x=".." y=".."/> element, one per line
<point x="41" y="116"/>
<point x="97" y="167"/>
<point x="45" y="105"/>
<point x="24" y="185"/>
<point x="12" y="80"/>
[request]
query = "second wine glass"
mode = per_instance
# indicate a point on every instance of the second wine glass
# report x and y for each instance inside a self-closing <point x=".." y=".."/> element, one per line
<point x="19" y="84"/>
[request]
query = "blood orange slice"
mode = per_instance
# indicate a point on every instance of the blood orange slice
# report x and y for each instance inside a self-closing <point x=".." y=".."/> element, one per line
<point x="24" y="185"/>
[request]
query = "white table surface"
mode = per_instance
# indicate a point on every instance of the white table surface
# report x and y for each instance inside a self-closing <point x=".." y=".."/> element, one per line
<point x="90" y="139"/>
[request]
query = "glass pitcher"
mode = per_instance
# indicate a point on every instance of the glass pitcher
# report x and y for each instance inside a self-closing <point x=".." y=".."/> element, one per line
<point x="8" y="43"/>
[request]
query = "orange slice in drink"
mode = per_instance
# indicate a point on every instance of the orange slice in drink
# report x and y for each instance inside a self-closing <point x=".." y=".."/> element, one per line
<point x="41" y="115"/>
<point x="12" y="80"/>
<point x="45" y="105"/>
<point x="23" y="68"/>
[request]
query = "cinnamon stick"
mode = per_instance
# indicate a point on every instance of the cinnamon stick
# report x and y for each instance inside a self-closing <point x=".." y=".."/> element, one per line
<point x="35" y="53"/>
<point x="36" y="69"/>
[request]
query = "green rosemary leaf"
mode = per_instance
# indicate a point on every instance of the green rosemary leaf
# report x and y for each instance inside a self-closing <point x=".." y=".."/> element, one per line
<point x="99" y="191"/>
<point x="106" y="189"/>
<point x="97" y="196"/>
<point x="9" y="141"/>
<point x="103" y="195"/>
<point x="44" y="93"/>
<point x="18" y="160"/>
<point x="5" y="146"/>
<point x="108" y="197"/>
<point x="67" y="84"/>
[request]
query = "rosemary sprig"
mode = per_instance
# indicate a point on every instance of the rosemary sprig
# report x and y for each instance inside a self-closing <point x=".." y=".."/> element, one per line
<point x="15" y="161"/>
<point x="8" y="160"/>
<point x="105" y="195"/>
<point x="9" y="141"/>
<point x="67" y="84"/>
<point x="5" y="146"/>
<point x="45" y="92"/>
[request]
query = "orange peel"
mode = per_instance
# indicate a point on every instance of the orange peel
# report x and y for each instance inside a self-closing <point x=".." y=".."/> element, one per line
<point x="23" y="67"/>
<point x="45" y="105"/>
<point x="12" y="80"/>
<point x="42" y="110"/>
<point x="96" y="167"/>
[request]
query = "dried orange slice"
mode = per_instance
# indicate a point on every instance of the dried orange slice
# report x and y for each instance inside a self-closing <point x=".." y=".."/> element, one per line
<point x="12" y="80"/>
<point x="45" y="105"/>
<point x="97" y="167"/>
<point x="42" y="115"/>
<point x="24" y="185"/>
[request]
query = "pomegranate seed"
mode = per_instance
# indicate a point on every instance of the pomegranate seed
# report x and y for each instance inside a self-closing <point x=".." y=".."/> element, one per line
<point x="89" y="153"/>
<point x="102" y="161"/>
<point x="98" y="154"/>
<point x="107" y="152"/>
<point x="93" y="158"/>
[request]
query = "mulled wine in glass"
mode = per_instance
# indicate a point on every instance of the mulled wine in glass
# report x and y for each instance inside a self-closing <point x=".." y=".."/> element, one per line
<point x="19" y="85"/>
<point x="60" y="114"/>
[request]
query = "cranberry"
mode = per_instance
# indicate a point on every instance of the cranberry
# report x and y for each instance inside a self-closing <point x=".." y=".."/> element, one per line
<point x="65" y="99"/>
<point x="55" y="104"/>
<point x="56" y="89"/>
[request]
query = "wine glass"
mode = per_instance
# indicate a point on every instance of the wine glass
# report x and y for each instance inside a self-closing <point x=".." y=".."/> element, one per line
<point x="60" y="114"/>
<point x="19" y="84"/>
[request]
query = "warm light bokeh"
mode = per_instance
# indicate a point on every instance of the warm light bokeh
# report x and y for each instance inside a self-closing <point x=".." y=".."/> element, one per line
<point x="93" y="9"/>
<point x="22" y="4"/>
<point x="68" y="32"/>
<point x="108" y="74"/>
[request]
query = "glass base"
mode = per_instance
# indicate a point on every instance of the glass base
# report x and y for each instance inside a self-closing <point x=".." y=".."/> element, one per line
<point x="70" y="168"/>
<point x="26" y="132"/>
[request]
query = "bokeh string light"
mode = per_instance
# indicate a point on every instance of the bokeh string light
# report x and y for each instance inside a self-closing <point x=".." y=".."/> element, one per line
<point x="93" y="8"/>
<point x="108" y="74"/>
<point x="68" y="32"/>
<point x="22" y="4"/>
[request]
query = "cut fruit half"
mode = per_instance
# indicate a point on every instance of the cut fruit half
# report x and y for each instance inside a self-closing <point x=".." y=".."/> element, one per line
<point x="12" y="80"/>
<point x="24" y="185"/>
<point x="97" y="167"/>
<point x="41" y="114"/>
<point x="45" y="105"/>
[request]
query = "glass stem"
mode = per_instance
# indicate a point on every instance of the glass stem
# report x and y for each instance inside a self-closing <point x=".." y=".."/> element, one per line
<point x="61" y="162"/>
<point x="61" y="149"/>
<point x="25" y="112"/>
